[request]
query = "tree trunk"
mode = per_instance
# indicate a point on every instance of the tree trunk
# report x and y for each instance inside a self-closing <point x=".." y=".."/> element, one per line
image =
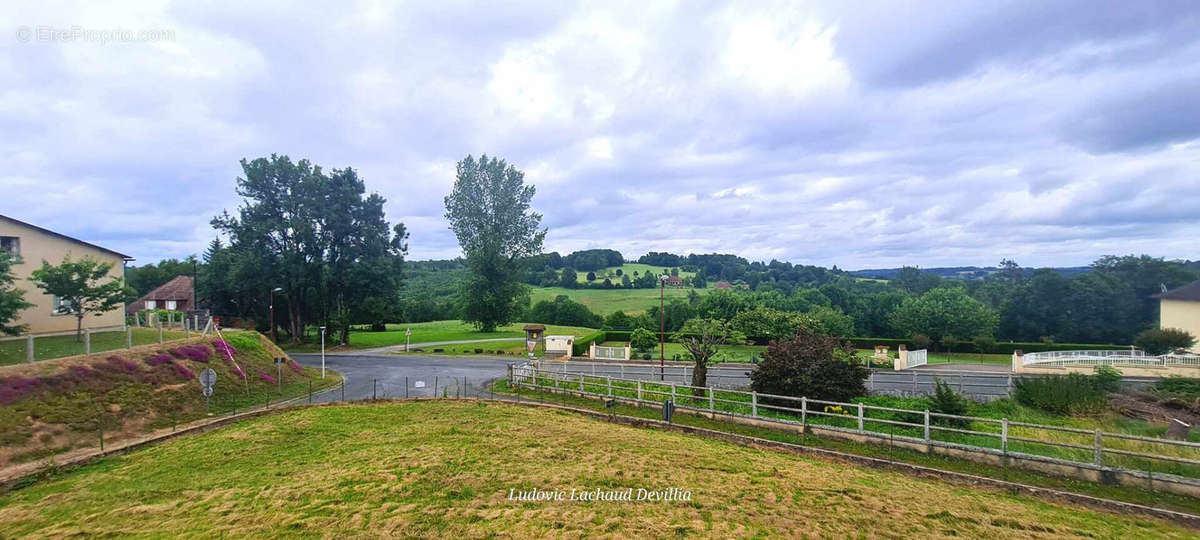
<point x="699" y="378"/>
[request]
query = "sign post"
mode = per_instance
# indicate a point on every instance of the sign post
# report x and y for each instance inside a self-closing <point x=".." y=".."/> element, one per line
<point x="279" y="372"/>
<point x="407" y="338"/>
<point x="322" y="352"/>
<point x="208" y="378"/>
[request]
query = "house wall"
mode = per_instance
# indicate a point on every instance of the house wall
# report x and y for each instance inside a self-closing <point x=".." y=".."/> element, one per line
<point x="37" y="246"/>
<point x="1181" y="314"/>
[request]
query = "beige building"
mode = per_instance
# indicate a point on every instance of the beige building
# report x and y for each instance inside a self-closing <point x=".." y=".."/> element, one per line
<point x="31" y="245"/>
<point x="1180" y="308"/>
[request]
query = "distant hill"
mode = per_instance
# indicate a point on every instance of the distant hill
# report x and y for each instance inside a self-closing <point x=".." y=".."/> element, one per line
<point x="958" y="272"/>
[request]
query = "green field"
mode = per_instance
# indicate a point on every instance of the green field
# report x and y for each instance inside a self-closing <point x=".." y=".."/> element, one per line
<point x="445" y="469"/>
<point x="675" y="351"/>
<point x="627" y="269"/>
<point x="435" y="331"/>
<point x="14" y="351"/>
<point x="606" y="301"/>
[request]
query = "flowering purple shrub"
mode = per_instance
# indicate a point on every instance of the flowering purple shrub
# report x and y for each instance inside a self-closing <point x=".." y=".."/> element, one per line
<point x="265" y="377"/>
<point x="239" y="372"/>
<point x="116" y="364"/>
<point x="182" y="370"/>
<point x="296" y="367"/>
<point x="224" y="349"/>
<point x="159" y="359"/>
<point x="195" y="353"/>
<point x="13" y="389"/>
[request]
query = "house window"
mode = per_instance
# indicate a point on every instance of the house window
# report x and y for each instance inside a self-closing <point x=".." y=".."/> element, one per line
<point x="11" y="244"/>
<point x="151" y="304"/>
<point x="171" y="305"/>
<point x="61" y="306"/>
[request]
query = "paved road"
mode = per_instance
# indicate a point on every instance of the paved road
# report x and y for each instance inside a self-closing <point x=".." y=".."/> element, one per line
<point x="389" y="376"/>
<point x="427" y="344"/>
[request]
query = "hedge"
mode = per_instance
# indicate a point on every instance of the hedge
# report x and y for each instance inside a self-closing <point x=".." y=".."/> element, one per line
<point x="1002" y="347"/>
<point x="583" y="345"/>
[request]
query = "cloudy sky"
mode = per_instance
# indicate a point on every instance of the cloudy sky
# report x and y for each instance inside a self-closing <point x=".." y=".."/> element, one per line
<point x="862" y="134"/>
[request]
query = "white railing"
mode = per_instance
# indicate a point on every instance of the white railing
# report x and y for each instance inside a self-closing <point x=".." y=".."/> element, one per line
<point x="917" y="358"/>
<point x="992" y="435"/>
<point x="610" y="353"/>
<point x="1108" y="358"/>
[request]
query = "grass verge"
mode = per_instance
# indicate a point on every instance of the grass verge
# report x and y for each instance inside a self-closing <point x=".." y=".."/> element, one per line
<point x="445" y="469"/>
<point x="1121" y="493"/>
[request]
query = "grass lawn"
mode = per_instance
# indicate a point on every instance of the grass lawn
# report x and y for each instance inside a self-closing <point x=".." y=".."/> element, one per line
<point x="627" y="269"/>
<point x="729" y="353"/>
<point x="437" y="331"/>
<point x="13" y="351"/>
<point x="446" y="469"/>
<point x="606" y="301"/>
<point x="1132" y="494"/>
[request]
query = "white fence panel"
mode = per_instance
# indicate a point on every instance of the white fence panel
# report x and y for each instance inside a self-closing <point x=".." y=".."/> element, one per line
<point x="917" y="358"/>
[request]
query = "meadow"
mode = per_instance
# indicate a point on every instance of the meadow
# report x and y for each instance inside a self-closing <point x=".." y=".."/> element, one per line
<point x="607" y="301"/>
<point x="627" y="269"/>
<point x="447" y="469"/>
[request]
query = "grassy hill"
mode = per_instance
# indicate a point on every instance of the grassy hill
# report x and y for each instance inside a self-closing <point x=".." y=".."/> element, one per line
<point x="59" y="405"/>
<point x="627" y="269"/>
<point x="446" y="469"/>
<point x="606" y="301"/>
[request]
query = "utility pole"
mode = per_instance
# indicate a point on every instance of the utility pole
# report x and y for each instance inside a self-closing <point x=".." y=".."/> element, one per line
<point x="662" y="328"/>
<point x="271" y="308"/>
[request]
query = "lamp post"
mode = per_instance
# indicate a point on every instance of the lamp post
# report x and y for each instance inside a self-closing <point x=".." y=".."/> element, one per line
<point x="271" y="308"/>
<point x="662" y="328"/>
<point x="322" y="352"/>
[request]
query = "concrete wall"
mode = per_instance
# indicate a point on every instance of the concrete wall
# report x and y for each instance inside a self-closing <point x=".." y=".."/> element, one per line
<point x="1180" y="314"/>
<point x="37" y="246"/>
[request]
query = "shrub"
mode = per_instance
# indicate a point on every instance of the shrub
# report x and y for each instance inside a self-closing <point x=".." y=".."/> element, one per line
<point x="813" y="365"/>
<point x="946" y="401"/>
<point x="244" y="341"/>
<point x="1073" y="393"/>
<point x="159" y="359"/>
<point x="223" y="348"/>
<point x="266" y="377"/>
<point x="1108" y="378"/>
<point x="1158" y="341"/>
<point x="296" y="366"/>
<point x="1174" y="386"/>
<point x="642" y="340"/>
<point x="921" y="341"/>
<point x="195" y="353"/>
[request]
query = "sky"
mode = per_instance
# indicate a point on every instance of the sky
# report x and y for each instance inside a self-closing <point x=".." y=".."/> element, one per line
<point x="856" y="134"/>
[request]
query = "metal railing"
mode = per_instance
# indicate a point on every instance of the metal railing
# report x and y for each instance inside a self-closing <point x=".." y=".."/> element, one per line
<point x="610" y="353"/>
<point x="1066" y="445"/>
<point x="1108" y="358"/>
<point x="916" y="358"/>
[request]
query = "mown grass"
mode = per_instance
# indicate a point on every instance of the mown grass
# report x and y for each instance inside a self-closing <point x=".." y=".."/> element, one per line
<point x="444" y="469"/>
<point x="1134" y="494"/>
<point x="436" y="331"/>
<point x="44" y="348"/>
<point x="1039" y="441"/>
<point x="606" y="301"/>
<point x="626" y="269"/>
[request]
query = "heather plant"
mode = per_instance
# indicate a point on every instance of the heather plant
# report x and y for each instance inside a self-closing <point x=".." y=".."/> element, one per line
<point x="224" y="349"/>
<point x="266" y="377"/>
<point x="296" y="366"/>
<point x="159" y="359"/>
<point x="196" y="353"/>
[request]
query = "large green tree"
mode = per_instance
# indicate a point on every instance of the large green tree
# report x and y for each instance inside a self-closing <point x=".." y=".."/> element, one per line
<point x="489" y="211"/>
<point x="945" y="312"/>
<point x="317" y="236"/>
<point x="12" y="299"/>
<point x="83" y="287"/>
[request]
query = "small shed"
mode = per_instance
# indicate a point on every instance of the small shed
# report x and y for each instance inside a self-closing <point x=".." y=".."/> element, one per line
<point x="534" y="332"/>
<point x="559" y="345"/>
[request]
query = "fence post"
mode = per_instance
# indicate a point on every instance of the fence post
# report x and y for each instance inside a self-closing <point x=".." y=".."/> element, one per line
<point x="960" y="383"/>
<point x="1008" y="386"/>
<point x="914" y="377"/>
<point x="609" y="380"/>
<point x="754" y="404"/>
<point x="711" y="406"/>
<point x="160" y="338"/>
<point x="860" y="417"/>
<point x="581" y="387"/>
<point x="639" y="386"/>
<point x="622" y="371"/>
<point x="128" y="337"/>
<point x="672" y="392"/>
<point x="373" y="381"/>
<point x="1004" y="435"/>
<point x="87" y="341"/>
<point x="29" y="348"/>
<point x="803" y="411"/>
<point x="926" y="426"/>
<point x="1098" y="450"/>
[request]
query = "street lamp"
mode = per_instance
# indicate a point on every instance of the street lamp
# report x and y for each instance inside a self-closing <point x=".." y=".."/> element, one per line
<point x="271" y="308"/>
<point x="322" y="352"/>
<point x="662" y="328"/>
